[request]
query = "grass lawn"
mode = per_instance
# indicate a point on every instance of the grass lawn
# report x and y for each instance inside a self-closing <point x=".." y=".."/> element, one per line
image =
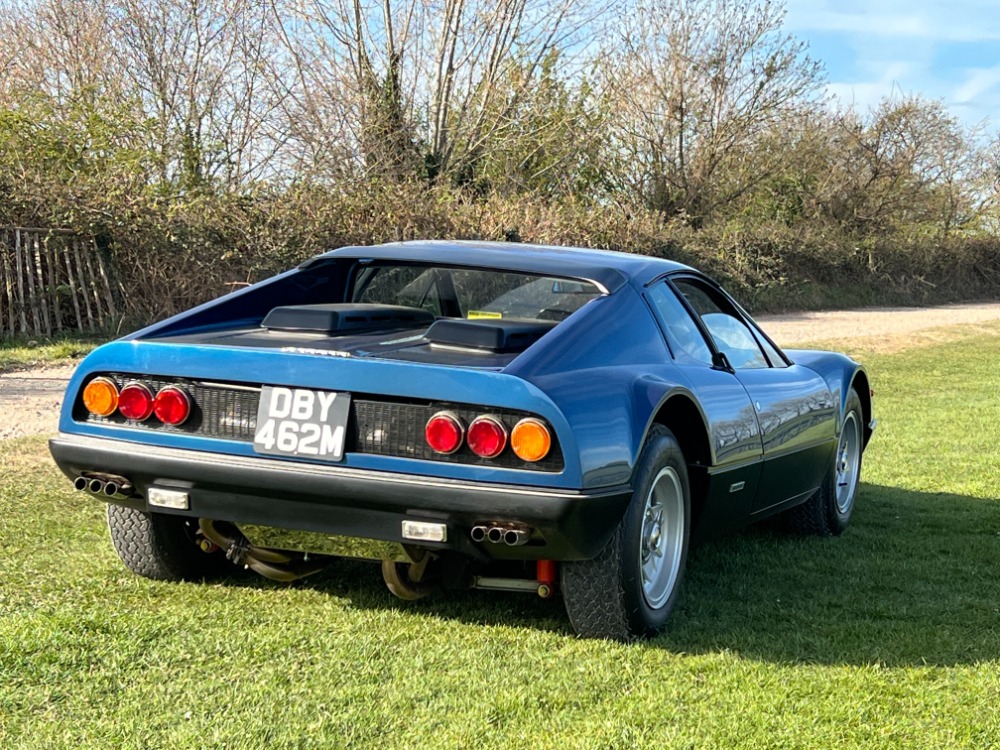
<point x="21" y="353"/>
<point x="886" y="637"/>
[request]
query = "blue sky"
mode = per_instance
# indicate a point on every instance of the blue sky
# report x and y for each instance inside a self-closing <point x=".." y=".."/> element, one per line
<point x="947" y="50"/>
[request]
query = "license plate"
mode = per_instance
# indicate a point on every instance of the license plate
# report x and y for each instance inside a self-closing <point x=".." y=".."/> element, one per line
<point x="301" y="422"/>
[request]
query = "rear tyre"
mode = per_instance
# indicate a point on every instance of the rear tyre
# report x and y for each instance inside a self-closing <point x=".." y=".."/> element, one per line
<point x="161" y="547"/>
<point x="629" y="590"/>
<point x="829" y="511"/>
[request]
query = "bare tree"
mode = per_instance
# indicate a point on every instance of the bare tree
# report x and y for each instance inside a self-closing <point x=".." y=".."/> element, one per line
<point x="58" y="48"/>
<point x="421" y="85"/>
<point x="907" y="162"/>
<point x="695" y="84"/>
<point x="200" y="69"/>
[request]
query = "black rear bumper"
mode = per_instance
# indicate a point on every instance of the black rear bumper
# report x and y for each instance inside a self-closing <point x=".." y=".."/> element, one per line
<point x="569" y="525"/>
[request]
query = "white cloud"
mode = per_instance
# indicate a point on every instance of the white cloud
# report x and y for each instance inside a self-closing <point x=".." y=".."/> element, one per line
<point x="863" y="95"/>
<point x="979" y="82"/>
<point x="874" y="49"/>
<point x="866" y="23"/>
<point x="955" y="21"/>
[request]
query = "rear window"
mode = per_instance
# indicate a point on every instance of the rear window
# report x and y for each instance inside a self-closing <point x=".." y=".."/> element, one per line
<point x="471" y="293"/>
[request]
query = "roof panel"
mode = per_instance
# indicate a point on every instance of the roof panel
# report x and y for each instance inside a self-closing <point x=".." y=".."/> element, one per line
<point x="607" y="268"/>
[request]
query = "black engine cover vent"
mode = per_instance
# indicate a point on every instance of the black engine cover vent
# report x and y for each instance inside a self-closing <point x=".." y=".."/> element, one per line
<point x="345" y="318"/>
<point x="499" y="336"/>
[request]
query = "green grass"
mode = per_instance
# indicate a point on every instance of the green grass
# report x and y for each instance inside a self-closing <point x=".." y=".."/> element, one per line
<point x="20" y="353"/>
<point x="888" y="636"/>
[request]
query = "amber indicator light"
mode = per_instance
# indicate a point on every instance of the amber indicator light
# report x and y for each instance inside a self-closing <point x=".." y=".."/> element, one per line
<point x="531" y="440"/>
<point x="101" y="397"/>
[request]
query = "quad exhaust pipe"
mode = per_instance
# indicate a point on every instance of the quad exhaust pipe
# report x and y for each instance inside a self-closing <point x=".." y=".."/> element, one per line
<point x="512" y="536"/>
<point x="108" y="485"/>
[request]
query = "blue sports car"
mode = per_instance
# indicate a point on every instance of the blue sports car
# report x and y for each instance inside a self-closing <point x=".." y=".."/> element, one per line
<point x="470" y="415"/>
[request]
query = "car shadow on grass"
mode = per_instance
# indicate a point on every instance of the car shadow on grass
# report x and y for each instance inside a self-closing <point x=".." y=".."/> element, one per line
<point x="360" y="584"/>
<point x="914" y="581"/>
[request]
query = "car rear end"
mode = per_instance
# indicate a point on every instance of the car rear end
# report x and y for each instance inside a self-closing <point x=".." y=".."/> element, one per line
<point x="393" y="449"/>
<point x="300" y="424"/>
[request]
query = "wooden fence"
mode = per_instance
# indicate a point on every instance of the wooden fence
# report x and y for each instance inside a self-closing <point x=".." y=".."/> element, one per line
<point x="53" y="281"/>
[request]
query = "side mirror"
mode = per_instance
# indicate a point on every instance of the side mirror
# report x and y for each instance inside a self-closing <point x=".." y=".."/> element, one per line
<point x="721" y="362"/>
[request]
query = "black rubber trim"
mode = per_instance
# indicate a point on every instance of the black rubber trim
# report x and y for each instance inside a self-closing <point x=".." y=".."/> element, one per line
<point x="341" y="500"/>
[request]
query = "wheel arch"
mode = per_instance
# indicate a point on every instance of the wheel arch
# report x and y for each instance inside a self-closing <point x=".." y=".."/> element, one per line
<point x="680" y="414"/>
<point x="862" y="386"/>
<point x="841" y="373"/>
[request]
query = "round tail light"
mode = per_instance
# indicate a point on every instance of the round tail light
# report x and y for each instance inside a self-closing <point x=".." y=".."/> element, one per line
<point x="444" y="432"/>
<point x="172" y="405"/>
<point x="530" y="440"/>
<point x="487" y="437"/>
<point x="135" y="402"/>
<point x="101" y="397"/>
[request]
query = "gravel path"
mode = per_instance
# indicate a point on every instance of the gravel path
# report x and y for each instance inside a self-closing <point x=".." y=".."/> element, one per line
<point x="30" y="400"/>
<point x="857" y="326"/>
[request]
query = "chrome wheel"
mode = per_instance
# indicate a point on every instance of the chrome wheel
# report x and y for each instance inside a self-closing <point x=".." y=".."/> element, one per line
<point x="848" y="467"/>
<point x="661" y="542"/>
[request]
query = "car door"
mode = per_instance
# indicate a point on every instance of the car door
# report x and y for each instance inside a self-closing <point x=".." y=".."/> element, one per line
<point x="795" y="408"/>
<point x="729" y="414"/>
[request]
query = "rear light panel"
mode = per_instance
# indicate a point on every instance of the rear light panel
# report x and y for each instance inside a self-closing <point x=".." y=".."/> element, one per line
<point x="135" y="401"/>
<point x="377" y="426"/>
<point x="488" y="436"/>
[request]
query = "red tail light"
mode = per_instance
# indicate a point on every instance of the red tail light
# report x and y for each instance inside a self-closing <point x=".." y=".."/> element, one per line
<point x="135" y="402"/>
<point x="487" y="437"/>
<point x="172" y="405"/>
<point x="444" y="432"/>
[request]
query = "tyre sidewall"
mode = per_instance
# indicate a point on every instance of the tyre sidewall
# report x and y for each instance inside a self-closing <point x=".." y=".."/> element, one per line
<point x="661" y="451"/>
<point x="161" y="547"/>
<point x="839" y="521"/>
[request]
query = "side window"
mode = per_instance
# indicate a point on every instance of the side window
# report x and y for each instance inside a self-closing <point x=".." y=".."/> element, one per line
<point x="682" y="331"/>
<point x="772" y="354"/>
<point x="731" y="335"/>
